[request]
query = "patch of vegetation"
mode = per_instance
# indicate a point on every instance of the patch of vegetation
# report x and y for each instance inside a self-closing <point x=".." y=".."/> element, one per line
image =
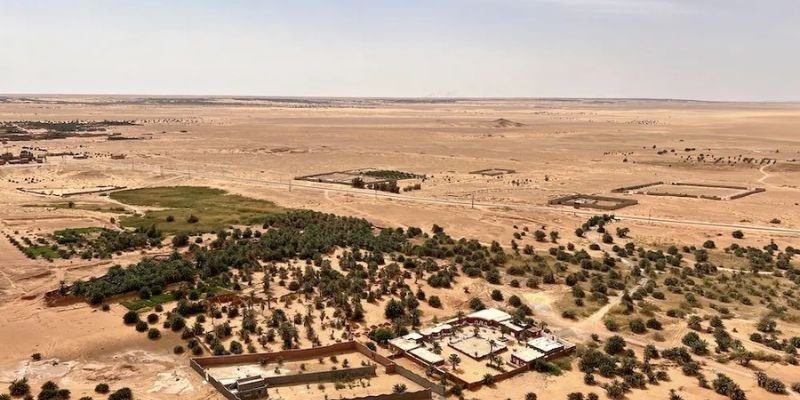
<point x="46" y="252"/>
<point x="391" y="174"/>
<point x="150" y="274"/>
<point x="96" y="242"/>
<point x="193" y="209"/>
<point x="152" y="301"/>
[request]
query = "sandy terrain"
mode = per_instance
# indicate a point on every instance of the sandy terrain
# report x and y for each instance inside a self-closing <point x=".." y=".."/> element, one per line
<point x="256" y="148"/>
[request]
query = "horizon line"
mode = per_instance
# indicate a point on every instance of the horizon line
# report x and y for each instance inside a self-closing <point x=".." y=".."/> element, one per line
<point x="431" y="97"/>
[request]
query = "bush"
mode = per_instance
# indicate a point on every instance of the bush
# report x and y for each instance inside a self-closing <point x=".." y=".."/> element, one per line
<point x="180" y="240"/>
<point x="615" y="345"/>
<point x="19" y="387"/>
<point x="435" y="302"/>
<point x="102" y="388"/>
<point x="153" y="334"/>
<point x="130" y="317"/>
<point x="497" y="295"/>
<point x="122" y="394"/>
<point x="141" y="326"/>
<point x="192" y="219"/>
<point x="637" y="326"/>
<point x="476" y="304"/>
<point x="611" y="324"/>
<point x="653" y="323"/>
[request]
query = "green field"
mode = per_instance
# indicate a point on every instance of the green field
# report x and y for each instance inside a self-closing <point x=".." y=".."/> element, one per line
<point x="41" y="251"/>
<point x="142" y="304"/>
<point x="215" y="209"/>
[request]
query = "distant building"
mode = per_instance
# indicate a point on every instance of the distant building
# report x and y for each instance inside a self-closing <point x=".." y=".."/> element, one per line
<point x="251" y="387"/>
<point x="427" y="356"/>
<point x="436" y="331"/>
<point x="546" y="345"/>
<point x="402" y="344"/>
<point x="488" y="316"/>
<point x="526" y="356"/>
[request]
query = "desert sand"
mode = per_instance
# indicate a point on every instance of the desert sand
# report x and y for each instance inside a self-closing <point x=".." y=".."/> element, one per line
<point x="255" y="147"/>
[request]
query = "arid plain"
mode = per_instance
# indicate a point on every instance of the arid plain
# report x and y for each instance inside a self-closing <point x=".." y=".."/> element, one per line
<point x="255" y="147"/>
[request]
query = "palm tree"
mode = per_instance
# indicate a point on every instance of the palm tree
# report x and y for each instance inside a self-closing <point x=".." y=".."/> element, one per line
<point x="212" y="309"/>
<point x="437" y="348"/>
<point x="268" y="292"/>
<point x="454" y="360"/>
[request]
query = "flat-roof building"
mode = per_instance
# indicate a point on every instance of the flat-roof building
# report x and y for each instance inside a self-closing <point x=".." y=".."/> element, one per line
<point x="526" y="356"/>
<point x="414" y="337"/>
<point x="427" y="356"/>
<point x="436" y="331"/>
<point x="402" y="344"/>
<point x="545" y="344"/>
<point x="251" y="387"/>
<point x="488" y="317"/>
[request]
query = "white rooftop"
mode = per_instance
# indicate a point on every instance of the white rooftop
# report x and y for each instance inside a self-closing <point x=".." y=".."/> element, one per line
<point x="427" y="355"/>
<point x="512" y="326"/>
<point x="403" y="344"/>
<point x="491" y="314"/>
<point x="545" y="344"/>
<point x="436" y="329"/>
<point x="413" y="336"/>
<point x="527" y="354"/>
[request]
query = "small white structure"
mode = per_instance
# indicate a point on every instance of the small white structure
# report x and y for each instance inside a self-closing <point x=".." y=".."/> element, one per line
<point x="490" y="316"/>
<point x="427" y="356"/>
<point x="414" y="337"/>
<point x="402" y="344"/>
<point x="436" y="331"/>
<point x="546" y="345"/>
<point x="526" y="356"/>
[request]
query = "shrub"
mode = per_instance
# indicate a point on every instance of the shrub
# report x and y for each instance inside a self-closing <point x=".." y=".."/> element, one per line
<point x="615" y="345"/>
<point x="121" y="394"/>
<point x="101" y="388"/>
<point x="130" y="317"/>
<point x="153" y="334"/>
<point x="653" y="323"/>
<point x="476" y="304"/>
<point x="611" y="324"/>
<point x="435" y="302"/>
<point x="19" y="387"/>
<point x="637" y="326"/>
<point x="180" y="240"/>
<point x="497" y="295"/>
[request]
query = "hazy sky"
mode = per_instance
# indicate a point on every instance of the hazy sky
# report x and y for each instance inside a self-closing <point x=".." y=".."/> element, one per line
<point x="699" y="49"/>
